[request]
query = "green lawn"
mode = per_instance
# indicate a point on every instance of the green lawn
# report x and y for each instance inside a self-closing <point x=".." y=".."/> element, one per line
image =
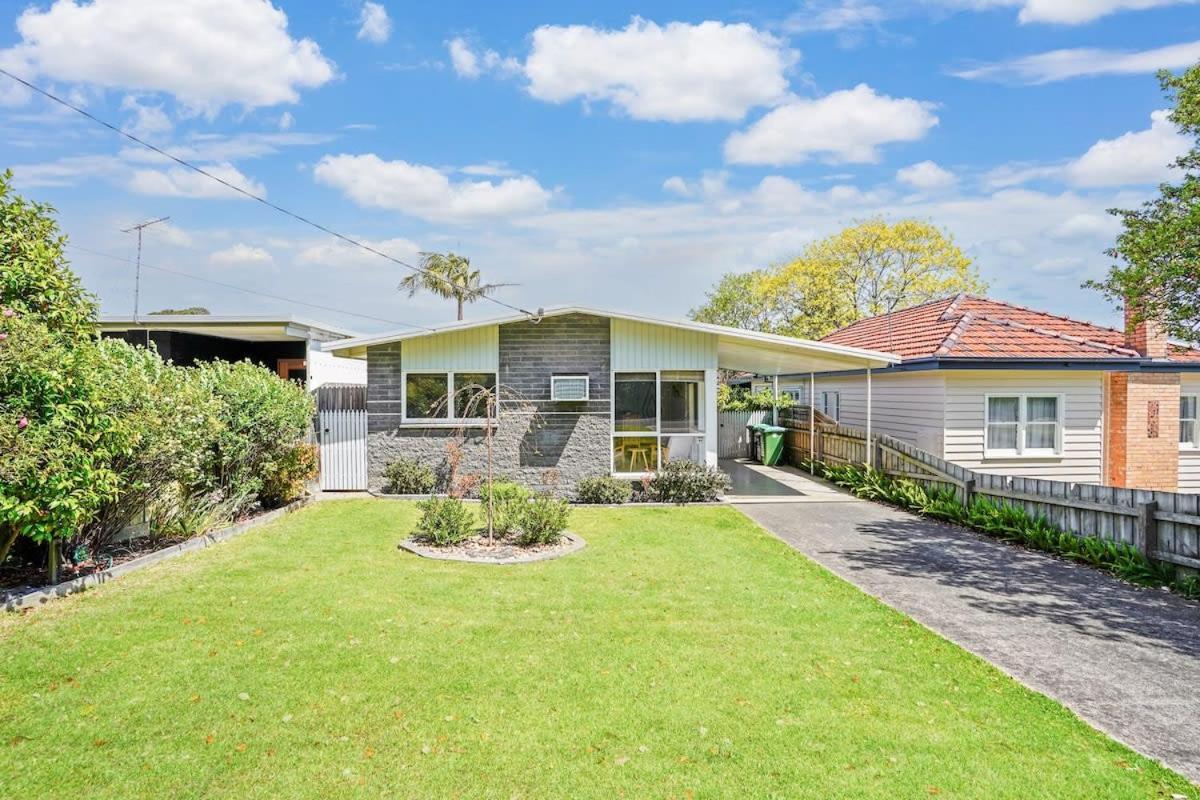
<point x="684" y="653"/>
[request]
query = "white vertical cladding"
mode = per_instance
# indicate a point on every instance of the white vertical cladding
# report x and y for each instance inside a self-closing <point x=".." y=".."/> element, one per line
<point x="327" y="368"/>
<point x="1189" y="458"/>
<point x="642" y="346"/>
<point x="474" y="349"/>
<point x="711" y="424"/>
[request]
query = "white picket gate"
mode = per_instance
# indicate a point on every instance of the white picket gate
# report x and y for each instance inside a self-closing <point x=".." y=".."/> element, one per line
<point x="342" y="432"/>
<point x="732" y="438"/>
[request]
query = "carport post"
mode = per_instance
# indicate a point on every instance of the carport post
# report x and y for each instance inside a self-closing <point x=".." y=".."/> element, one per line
<point x="870" y="444"/>
<point x="775" y="405"/>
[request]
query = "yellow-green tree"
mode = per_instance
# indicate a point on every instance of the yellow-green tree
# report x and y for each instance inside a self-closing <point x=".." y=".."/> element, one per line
<point x="871" y="268"/>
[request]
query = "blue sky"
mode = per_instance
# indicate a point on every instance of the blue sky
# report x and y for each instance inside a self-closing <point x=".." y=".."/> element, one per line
<point x="613" y="154"/>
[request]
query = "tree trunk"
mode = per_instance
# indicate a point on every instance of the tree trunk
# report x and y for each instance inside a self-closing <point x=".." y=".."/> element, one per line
<point x="459" y="298"/>
<point x="9" y="536"/>
<point x="491" y="498"/>
<point x="52" y="562"/>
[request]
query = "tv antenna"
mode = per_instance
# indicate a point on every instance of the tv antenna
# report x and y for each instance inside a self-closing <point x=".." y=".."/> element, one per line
<point x="137" y="277"/>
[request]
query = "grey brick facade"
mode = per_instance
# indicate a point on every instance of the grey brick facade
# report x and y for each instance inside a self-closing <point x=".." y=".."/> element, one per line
<point x="542" y="443"/>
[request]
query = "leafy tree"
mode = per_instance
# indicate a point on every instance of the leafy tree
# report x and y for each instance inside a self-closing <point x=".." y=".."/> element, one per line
<point x="1158" y="273"/>
<point x="35" y="279"/>
<point x="194" y="310"/>
<point x="449" y="275"/>
<point x="867" y="269"/>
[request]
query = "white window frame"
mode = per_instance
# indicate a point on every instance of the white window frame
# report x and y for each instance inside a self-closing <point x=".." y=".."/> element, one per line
<point x="657" y="434"/>
<point x="1021" y="451"/>
<point x="449" y="420"/>
<point x="836" y="416"/>
<point x="1195" y="443"/>
<point x="587" y="388"/>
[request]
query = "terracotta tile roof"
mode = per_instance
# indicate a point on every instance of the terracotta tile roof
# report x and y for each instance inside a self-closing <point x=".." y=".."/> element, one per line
<point x="966" y="326"/>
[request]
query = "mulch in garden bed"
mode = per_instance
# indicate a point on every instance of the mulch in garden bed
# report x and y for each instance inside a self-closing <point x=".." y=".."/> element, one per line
<point x="19" y="577"/>
<point x="500" y="550"/>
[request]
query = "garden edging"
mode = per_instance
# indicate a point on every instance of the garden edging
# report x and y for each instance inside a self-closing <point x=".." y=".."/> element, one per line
<point x="572" y="543"/>
<point x="39" y="597"/>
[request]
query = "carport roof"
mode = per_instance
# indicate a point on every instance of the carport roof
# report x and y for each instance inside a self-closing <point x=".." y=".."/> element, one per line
<point x="737" y="349"/>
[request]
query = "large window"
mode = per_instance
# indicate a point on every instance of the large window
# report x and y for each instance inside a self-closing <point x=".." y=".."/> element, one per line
<point x="657" y="417"/>
<point x="1023" y="425"/>
<point x="447" y="397"/>
<point x="1189" y="430"/>
<point x="831" y="405"/>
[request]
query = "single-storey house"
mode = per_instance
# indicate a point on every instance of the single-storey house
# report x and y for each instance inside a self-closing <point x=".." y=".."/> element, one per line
<point x="581" y="391"/>
<point x="291" y="346"/>
<point x="1004" y="389"/>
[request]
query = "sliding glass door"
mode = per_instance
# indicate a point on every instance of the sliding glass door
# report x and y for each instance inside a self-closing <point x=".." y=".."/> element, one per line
<point x="657" y="417"/>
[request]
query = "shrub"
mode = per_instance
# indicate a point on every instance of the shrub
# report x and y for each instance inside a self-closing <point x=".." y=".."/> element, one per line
<point x="261" y="419"/>
<point x="444" y="521"/>
<point x="508" y="499"/>
<point x="543" y="520"/>
<point x="603" y="490"/>
<point x="175" y="513"/>
<point x="408" y="476"/>
<point x="287" y="477"/>
<point x="687" y="482"/>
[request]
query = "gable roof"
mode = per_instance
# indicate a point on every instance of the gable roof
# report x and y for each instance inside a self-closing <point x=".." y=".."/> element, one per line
<point x="967" y="326"/>
<point x="761" y="353"/>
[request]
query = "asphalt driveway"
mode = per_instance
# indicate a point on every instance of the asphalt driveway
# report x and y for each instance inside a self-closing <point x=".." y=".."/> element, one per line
<point x="1127" y="660"/>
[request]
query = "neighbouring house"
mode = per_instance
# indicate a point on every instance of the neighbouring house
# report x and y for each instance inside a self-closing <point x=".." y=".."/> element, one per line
<point x="1004" y="389"/>
<point x="582" y="392"/>
<point x="290" y="346"/>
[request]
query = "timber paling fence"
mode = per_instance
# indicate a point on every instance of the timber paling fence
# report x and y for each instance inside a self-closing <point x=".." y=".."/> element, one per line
<point x="1165" y="526"/>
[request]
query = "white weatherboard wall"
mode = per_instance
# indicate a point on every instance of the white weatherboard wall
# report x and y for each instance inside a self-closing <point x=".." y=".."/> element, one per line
<point x="643" y="347"/>
<point x="1083" y="448"/>
<point x="906" y="405"/>
<point x="326" y="368"/>
<point x="474" y="350"/>
<point x="1189" y="458"/>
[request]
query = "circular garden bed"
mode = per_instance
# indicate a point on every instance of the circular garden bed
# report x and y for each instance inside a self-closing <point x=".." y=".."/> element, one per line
<point x="500" y="550"/>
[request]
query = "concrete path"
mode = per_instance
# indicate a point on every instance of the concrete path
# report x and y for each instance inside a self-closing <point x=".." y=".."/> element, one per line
<point x="1126" y="660"/>
<point x="751" y="482"/>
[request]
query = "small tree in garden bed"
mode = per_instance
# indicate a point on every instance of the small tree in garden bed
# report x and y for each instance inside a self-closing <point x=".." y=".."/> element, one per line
<point x="507" y="501"/>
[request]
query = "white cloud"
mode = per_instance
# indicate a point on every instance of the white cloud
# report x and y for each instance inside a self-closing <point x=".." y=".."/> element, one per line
<point x="845" y="126"/>
<point x="148" y="122"/>
<point x="463" y="59"/>
<point x="677" y="185"/>
<point x="1131" y="159"/>
<point x="1136" y="157"/>
<point x="926" y="175"/>
<point x="180" y="182"/>
<point x="841" y="15"/>
<point x="336" y="253"/>
<point x="1082" y="62"/>
<point x="241" y="254"/>
<point x="207" y="53"/>
<point x="491" y="169"/>
<point x="424" y="192"/>
<point x="1086" y="225"/>
<point x="677" y="72"/>
<point x="374" y="24"/>
<point x="1067" y="12"/>
<point x="286" y="121"/>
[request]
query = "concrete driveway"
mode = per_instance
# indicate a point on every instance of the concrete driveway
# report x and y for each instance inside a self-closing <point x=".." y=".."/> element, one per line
<point x="1126" y="660"/>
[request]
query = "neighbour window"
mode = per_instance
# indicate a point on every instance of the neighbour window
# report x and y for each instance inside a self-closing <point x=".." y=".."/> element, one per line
<point x="657" y="417"/>
<point x="831" y="405"/>
<point x="427" y="396"/>
<point x="1189" y="431"/>
<point x="569" y="388"/>
<point x="1024" y="424"/>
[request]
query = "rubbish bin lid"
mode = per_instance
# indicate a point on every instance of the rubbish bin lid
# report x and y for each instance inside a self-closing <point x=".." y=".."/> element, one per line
<point x="754" y="426"/>
<point x="771" y="428"/>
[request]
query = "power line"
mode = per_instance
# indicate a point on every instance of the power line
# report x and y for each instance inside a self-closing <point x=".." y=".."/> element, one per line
<point x="292" y="300"/>
<point x="187" y="164"/>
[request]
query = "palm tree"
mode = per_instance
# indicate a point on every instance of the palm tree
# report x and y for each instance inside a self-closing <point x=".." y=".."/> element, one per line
<point x="449" y="275"/>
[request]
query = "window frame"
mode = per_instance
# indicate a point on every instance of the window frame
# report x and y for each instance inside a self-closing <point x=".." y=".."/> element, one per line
<point x="1022" y="450"/>
<point x="449" y="420"/>
<point x="587" y="387"/>
<point x="657" y="434"/>
<point x="837" y="401"/>
<point x="1194" y="444"/>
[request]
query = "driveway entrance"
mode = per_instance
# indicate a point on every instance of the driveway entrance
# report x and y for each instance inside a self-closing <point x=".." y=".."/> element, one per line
<point x="752" y="482"/>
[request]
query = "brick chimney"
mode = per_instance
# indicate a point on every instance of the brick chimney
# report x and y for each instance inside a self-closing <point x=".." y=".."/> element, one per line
<point x="1148" y="337"/>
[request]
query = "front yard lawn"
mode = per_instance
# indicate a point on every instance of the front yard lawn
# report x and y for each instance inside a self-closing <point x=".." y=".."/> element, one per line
<point x="684" y="653"/>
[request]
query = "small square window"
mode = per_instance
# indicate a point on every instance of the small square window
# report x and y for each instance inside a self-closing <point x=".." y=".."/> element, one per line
<point x="569" y="388"/>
